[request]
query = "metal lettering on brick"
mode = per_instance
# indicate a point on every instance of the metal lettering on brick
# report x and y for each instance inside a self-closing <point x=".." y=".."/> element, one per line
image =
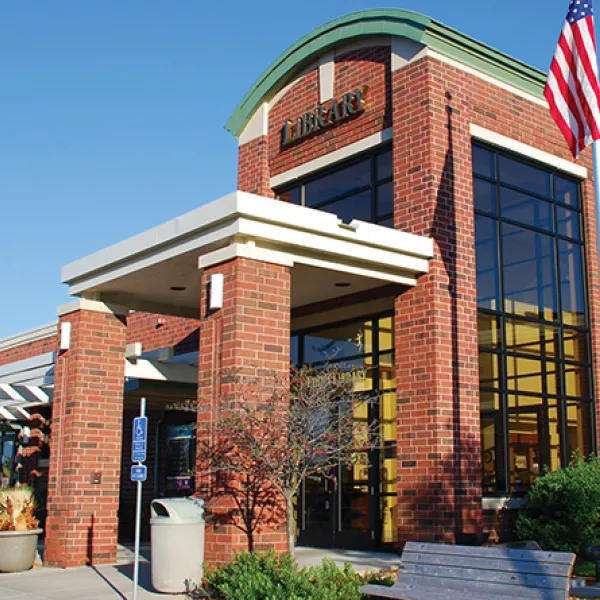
<point x="139" y="473"/>
<point x="139" y="439"/>
<point x="324" y="116"/>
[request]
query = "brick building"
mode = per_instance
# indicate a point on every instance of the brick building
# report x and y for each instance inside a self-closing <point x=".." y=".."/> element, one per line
<point x="405" y="205"/>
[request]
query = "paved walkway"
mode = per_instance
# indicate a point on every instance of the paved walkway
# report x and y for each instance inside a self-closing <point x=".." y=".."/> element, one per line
<point x="114" y="582"/>
<point x="104" y="582"/>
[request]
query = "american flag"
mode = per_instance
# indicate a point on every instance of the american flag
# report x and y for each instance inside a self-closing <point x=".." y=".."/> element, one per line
<point x="572" y="88"/>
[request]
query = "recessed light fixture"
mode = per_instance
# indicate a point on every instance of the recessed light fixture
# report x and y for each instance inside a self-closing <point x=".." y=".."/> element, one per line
<point x="178" y="288"/>
<point x="341" y="284"/>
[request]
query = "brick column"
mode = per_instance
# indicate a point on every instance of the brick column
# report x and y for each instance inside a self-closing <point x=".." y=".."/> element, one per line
<point x="436" y="321"/>
<point x="253" y="167"/>
<point x="87" y="417"/>
<point x="249" y="335"/>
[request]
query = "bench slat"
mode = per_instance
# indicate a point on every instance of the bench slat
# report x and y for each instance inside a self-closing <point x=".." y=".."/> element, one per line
<point x="519" y="566"/>
<point x="445" y="572"/>
<point x="484" y="552"/>
<point x="425" y="590"/>
<point x="488" y="576"/>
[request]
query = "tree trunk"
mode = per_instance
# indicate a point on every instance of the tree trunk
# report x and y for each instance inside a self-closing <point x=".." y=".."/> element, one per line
<point x="291" y="524"/>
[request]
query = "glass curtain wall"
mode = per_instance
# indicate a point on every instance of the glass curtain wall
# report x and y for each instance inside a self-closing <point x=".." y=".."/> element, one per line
<point x="534" y="342"/>
<point x="358" y="509"/>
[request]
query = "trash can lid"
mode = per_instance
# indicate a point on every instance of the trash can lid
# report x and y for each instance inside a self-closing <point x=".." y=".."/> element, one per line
<point x="177" y="509"/>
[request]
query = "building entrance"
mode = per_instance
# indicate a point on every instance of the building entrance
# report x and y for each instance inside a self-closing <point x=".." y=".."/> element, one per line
<point x="354" y="507"/>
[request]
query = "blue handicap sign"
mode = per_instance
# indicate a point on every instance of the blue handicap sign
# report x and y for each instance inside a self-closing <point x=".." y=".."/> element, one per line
<point x="139" y="472"/>
<point x="139" y="439"/>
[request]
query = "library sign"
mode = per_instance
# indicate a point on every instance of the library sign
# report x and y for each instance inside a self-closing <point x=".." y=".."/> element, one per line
<point x="324" y="116"/>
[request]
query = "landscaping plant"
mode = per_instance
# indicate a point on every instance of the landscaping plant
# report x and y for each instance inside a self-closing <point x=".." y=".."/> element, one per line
<point x="17" y="506"/>
<point x="562" y="509"/>
<point x="272" y="576"/>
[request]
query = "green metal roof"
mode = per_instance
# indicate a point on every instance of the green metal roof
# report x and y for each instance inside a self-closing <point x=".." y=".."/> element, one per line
<point x="389" y="21"/>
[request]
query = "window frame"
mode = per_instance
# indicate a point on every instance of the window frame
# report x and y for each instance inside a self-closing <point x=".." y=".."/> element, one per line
<point x="503" y="317"/>
<point x="372" y="187"/>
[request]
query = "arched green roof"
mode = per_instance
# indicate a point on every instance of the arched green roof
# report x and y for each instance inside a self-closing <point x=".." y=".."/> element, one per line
<point x="388" y="21"/>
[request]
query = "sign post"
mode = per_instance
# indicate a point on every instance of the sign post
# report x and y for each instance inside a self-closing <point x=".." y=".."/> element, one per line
<point x="139" y="473"/>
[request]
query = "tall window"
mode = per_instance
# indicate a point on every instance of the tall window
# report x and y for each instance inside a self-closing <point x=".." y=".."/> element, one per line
<point x="534" y="343"/>
<point x="360" y="189"/>
<point x="360" y="510"/>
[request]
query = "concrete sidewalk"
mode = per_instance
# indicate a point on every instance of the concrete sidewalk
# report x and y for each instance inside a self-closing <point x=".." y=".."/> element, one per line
<point x="104" y="582"/>
<point x="114" y="582"/>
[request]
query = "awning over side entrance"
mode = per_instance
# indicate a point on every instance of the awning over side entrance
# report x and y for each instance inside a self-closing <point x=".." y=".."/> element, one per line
<point x="16" y="398"/>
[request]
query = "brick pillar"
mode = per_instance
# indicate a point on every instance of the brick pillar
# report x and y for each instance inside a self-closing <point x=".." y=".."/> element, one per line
<point x="439" y="471"/>
<point x="253" y="167"/>
<point x="249" y="335"/>
<point x="87" y="417"/>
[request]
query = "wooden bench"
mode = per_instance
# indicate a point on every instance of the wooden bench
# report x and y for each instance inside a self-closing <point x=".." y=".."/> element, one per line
<point x="445" y="572"/>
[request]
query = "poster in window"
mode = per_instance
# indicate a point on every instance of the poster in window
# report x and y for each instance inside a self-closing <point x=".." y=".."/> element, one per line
<point x="180" y="457"/>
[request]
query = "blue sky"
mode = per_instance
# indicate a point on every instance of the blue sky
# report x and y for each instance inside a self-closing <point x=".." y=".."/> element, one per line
<point x="112" y="114"/>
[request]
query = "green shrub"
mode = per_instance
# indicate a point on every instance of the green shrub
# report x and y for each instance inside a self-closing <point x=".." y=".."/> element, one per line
<point x="562" y="508"/>
<point x="271" y="576"/>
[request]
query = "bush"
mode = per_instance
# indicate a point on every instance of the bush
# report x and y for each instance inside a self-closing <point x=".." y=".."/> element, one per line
<point x="562" y="508"/>
<point x="271" y="576"/>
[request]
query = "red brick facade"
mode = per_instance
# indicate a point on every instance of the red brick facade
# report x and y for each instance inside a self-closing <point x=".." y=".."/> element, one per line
<point x="43" y="346"/>
<point x="250" y="336"/>
<point x="430" y="107"/>
<point x="86" y="437"/>
<point x="162" y="331"/>
<point x="436" y="321"/>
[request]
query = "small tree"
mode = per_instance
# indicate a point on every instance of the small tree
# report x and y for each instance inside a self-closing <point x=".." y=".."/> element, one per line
<point x="265" y="441"/>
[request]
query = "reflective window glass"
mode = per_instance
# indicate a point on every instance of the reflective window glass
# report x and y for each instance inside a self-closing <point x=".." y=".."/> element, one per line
<point x="534" y="356"/>
<point x="485" y="196"/>
<point x="523" y="176"/>
<point x="565" y="191"/>
<point x="362" y="190"/>
<point x="579" y="428"/>
<point x="354" y="207"/>
<point x="489" y="370"/>
<point x="529" y="273"/>
<point x="336" y="184"/>
<point x="525" y="209"/>
<point x="338" y="342"/>
<point x="383" y="165"/>
<point x="575" y="345"/>
<point x="487" y="262"/>
<point x="294" y="350"/>
<point x="488" y="330"/>
<point x="567" y="222"/>
<point x="531" y="338"/>
<point x="492" y="433"/>
<point x="577" y="382"/>
<point x="387" y="380"/>
<point x="363" y="354"/>
<point x="385" y="199"/>
<point x="534" y="439"/>
<point x="531" y="376"/>
<point x="483" y="162"/>
<point x="386" y="334"/>
<point x="571" y="283"/>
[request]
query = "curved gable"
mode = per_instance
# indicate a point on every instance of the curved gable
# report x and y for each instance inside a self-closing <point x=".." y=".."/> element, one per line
<point x="394" y="22"/>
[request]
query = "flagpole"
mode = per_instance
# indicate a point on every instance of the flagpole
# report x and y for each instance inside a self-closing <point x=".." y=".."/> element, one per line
<point x="596" y="163"/>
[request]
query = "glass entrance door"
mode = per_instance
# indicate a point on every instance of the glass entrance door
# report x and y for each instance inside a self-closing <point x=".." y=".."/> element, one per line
<point x="354" y="507"/>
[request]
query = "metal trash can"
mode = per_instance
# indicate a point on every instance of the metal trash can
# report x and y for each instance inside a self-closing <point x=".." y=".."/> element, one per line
<point x="177" y="543"/>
